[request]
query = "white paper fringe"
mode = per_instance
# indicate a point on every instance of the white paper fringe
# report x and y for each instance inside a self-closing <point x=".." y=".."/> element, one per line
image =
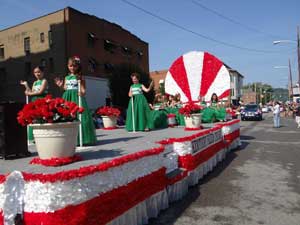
<point x="142" y="212"/>
<point x="178" y="190"/>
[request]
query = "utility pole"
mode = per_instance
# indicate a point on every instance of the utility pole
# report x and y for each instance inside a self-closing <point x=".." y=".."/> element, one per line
<point x="298" y="52"/>
<point x="290" y="80"/>
<point x="255" y="93"/>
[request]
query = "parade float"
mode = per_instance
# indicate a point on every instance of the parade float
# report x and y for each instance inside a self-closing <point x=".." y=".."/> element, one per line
<point x="148" y="172"/>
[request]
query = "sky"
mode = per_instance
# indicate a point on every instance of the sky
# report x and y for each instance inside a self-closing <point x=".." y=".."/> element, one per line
<point x="250" y="26"/>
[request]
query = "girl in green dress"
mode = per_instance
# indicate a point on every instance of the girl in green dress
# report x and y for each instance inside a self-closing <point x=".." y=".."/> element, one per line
<point x="138" y="111"/>
<point x="70" y="86"/>
<point x="158" y="115"/>
<point x="220" y="112"/>
<point x="39" y="90"/>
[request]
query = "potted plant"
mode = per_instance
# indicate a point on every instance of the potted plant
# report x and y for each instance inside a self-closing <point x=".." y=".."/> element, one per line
<point x="109" y="116"/>
<point x="55" y="126"/>
<point x="192" y="115"/>
<point x="171" y="120"/>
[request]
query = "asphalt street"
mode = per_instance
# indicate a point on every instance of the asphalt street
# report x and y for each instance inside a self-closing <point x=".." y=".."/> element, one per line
<point x="256" y="184"/>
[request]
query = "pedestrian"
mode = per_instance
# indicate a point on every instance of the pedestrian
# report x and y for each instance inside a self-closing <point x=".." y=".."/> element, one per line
<point x="39" y="90"/>
<point x="297" y="115"/>
<point x="71" y="93"/>
<point x="276" y="114"/>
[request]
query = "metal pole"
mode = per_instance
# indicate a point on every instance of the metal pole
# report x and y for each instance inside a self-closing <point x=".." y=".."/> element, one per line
<point x="255" y="93"/>
<point x="290" y="81"/>
<point x="80" y="116"/>
<point x="298" y="52"/>
<point x="27" y="101"/>
<point x="132" y="108"/>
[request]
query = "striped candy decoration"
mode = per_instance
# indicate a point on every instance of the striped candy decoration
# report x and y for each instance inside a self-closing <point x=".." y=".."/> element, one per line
<point x="197" y="74"/>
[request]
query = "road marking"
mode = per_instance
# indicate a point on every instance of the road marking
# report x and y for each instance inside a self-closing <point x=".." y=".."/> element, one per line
<point x="273" y="142"/>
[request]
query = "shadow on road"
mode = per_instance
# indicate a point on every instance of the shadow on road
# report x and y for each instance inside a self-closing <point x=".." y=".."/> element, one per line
<point x="176" y="209"/>
<point x="245" y="137"/>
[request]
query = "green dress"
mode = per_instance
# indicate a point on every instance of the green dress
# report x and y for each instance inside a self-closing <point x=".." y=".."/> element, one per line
<point x="35" y="88"/>
<point x="141" y="111"/>
<point x="158" y="118"/>
<point x="213" y="113"/>
<point x="71" y="94"/>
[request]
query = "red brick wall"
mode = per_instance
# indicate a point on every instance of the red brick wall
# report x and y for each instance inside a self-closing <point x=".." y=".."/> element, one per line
<point x="156" y="76"/>
<point x="78" y="27"/>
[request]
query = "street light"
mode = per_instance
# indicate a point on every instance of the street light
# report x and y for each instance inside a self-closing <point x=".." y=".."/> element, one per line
<point x="290" y="80"/>
<point x="283" y="41"/>
<point x="298" y="49"/>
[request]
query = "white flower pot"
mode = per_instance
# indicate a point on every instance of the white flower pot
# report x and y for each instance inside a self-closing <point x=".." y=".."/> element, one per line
<point x="109" y="121"/>
<point x="55" y="140"/>
<point x="194" y="121"/>
<point x="171" y="121"/>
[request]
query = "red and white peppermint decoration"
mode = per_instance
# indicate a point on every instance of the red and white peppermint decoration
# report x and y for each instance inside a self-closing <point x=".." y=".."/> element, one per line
<point x="197" y="74"/>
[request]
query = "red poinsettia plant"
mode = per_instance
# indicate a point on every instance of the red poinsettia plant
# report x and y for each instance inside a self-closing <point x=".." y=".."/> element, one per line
<point x="190" y="108"/>
<point x="49" y="110"/>
<point x="108" y="111"/>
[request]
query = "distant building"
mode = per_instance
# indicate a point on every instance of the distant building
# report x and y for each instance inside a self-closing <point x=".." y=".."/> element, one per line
<point x="236" y="84"/>
<point x="249" y="96"/>
<point x="49" y="40"/>
<point x="157" y="76"/>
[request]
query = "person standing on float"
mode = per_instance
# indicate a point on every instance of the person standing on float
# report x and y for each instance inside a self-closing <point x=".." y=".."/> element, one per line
<point x="71" y="93"/>
<point x="138" y="111"/>
<point x="39" y="90"/>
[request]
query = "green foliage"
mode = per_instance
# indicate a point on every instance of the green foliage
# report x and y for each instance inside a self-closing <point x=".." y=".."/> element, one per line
<point x="120" y="81"/>
<point x="162" y="88"/>
<point x="281" y="94"/>
<point x="258" y="86"/>
<point x="263" y="91"/>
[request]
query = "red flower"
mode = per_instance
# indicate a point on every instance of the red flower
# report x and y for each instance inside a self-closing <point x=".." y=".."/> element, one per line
<point x="49" y="110"/>
<point x="108" y="111"/>
<point x="190" y="108"/>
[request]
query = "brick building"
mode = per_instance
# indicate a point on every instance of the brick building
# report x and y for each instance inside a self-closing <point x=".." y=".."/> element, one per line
<point x="156" y="76"/>
<point x="49" y="40"/>
<point x="249" y="96"/>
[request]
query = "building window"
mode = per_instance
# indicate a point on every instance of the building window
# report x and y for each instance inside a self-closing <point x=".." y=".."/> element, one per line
<point x="92" y="64"/>
<point x="108" y="67"/>
<point x="51" y="65"/>
<point x="42" y="37"/>
<point x="43" y="63"/>
<point x="140" y="54"/>
<point x="127" y="51"/>
<point x="27" y="70"/>
<point x="2" y="74"/>
<point x="2" y="56"/>
<point x="232" y="92"/>
<point x="27" y="45"/>
<point x="91" y="39"/>
<point x="50" y="38"/>
<point x="109" y="46"/>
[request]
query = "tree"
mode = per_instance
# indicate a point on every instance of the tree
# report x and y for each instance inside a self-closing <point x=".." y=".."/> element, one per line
<point x="120" y="81"/>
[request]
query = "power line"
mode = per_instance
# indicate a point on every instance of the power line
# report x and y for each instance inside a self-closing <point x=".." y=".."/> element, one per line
<point x="196" y="33"/>
<point x="245" y="26"/>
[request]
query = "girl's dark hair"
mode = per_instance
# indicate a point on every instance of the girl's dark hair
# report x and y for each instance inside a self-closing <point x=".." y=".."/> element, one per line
<point x="212" y="97"/>
<point x="135" y="75"/>
<point x="41" y="68"/>
<point x="76" y="62"/>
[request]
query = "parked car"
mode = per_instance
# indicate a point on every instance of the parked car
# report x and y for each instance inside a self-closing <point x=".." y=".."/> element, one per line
<point x="265" y="109"/>
<point x="251" y="111"/>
